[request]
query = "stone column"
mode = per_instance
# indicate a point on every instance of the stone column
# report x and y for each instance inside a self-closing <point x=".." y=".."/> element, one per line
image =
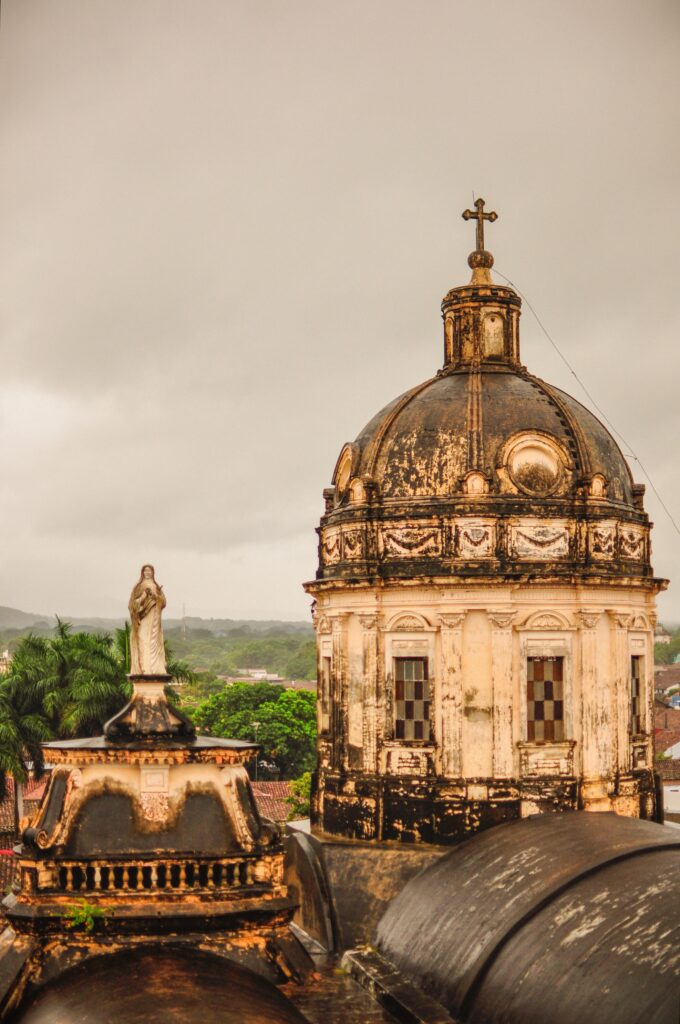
<point x="369" y="625"/>
<point x="451" y="627"/>
<point x="503" y="690"/>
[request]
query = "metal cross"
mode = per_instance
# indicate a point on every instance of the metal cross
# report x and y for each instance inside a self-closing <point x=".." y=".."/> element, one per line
<point x="480" y="217"/>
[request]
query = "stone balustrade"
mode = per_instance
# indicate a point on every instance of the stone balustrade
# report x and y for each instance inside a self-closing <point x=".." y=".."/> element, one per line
<point x="155" y="876"/>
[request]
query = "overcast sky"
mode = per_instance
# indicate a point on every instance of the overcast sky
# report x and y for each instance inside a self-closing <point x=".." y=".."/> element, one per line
<point x="226" y="231"/>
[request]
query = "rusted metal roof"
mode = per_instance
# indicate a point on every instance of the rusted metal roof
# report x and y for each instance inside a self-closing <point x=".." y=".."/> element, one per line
<point x="566" y="917"/>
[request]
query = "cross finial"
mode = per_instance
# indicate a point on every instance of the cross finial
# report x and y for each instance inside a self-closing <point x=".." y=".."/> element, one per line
<point x="480" y="217"/>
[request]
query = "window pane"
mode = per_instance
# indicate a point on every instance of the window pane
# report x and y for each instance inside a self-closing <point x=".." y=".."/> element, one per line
<point x="411" y="705"/>
<point x="545" y="700"/>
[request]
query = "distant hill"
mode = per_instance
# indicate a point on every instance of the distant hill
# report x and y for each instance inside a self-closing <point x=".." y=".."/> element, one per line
<point x="14" y="619"/>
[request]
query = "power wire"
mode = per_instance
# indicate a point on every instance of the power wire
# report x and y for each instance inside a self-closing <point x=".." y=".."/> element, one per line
<point x="592" y="401"/>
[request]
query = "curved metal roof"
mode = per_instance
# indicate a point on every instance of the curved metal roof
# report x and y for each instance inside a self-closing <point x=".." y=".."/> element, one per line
<point x="558" y="917"/>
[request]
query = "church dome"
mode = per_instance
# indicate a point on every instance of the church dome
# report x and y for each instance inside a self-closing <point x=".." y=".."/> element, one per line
<point x="157" y="985"/>
<point x="533" y="440"/>
<point x="484" y="468"/>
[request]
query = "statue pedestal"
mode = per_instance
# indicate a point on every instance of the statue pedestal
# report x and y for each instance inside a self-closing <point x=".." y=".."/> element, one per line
<point x="148" y="715"/>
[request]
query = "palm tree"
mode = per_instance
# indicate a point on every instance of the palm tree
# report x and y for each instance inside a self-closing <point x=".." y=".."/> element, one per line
<point x="22" y="731"/>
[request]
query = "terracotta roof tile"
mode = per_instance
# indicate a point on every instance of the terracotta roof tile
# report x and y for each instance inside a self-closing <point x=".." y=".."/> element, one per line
<point x="270" y="798"/>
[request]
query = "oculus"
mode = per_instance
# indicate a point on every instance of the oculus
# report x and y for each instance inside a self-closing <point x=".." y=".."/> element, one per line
<point x="534" y="466"/>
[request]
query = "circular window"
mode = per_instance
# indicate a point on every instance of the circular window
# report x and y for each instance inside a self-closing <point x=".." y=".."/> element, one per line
<point x="534" y="467"/>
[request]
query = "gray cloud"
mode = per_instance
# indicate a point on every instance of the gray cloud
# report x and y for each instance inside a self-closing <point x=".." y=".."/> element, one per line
<point x="227" y="229"/>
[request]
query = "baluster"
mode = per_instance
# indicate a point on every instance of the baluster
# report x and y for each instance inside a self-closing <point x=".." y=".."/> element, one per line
<point x="69" y="877"/>
<point x="140" y="878"/>
<point x="97" y="876"/>
<point x="168" y="875"/>
<point x="126" y="877"/>
<point x="183" y="875"/>
<point x="154" y="876"/>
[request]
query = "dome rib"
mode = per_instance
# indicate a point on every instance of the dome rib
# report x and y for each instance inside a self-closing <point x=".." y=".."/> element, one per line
<point x="570" y="423"/>
<point x="373" y="448"/>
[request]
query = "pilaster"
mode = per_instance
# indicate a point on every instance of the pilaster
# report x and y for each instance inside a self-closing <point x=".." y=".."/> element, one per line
<point x="503" y="692"/>
<point x="594" y="744"/>
<point x="620" y="691"/>
<point x="369" y="626"/>
<point x="451" y="627"/>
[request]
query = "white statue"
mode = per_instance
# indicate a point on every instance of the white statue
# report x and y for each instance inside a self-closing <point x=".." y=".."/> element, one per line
<point x="147" y="601"/>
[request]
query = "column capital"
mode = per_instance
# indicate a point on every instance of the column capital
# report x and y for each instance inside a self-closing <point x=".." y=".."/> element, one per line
<point x="588" y="618"/>
<point x="501" y="618"/>
<point x="620" y="620"/>
<point x="368" y="622"/>
<point x="454" y="620"/>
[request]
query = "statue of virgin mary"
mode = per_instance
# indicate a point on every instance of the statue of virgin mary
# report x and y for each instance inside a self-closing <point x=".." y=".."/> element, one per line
<point x="147" y="601"/>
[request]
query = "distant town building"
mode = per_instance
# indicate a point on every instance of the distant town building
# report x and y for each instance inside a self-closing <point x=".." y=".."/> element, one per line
<point x="661" y="635"/>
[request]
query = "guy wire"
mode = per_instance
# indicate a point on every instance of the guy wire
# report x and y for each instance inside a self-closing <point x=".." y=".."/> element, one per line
<point x="631" y="453"/>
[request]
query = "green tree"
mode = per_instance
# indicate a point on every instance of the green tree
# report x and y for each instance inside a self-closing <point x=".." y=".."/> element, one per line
<point x="286" y="722"/>
<point x="22" y="730"/>
<point x="74" y="681"/>
<point x="300" y="797"/>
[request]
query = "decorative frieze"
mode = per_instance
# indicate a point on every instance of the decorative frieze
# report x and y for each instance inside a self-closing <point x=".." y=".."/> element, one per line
<point x="470" y="540"/>
<point x="474" y="540"/>
<point x="353" y="546"/>
<point x="602" y="541"/>
<point x="539" y="542"/>
<point x="631" y="543"/>
<point x="411" y="541"/>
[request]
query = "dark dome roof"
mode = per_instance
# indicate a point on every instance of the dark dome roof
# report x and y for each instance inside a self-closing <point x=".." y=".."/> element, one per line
<point x="419" y="444"/>
<point x="562" y="918"/>
<point x="159" y="986"/>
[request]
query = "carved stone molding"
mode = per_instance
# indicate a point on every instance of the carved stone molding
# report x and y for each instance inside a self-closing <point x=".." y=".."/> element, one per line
<point x="322" y="624"/>
<point x="501" y="618"/>
<point x="631" y="543"/>
<point x="540" y="542"/>
<point x="588" y="619"/>
<point x="474" y="541"/>
<point x="546" y="620"/>
<point x="620" y="620"/>
<point x="155" y="806"/>
<point x="407" y="624"/>
<point x="602" y="541"/>
<point x="408" y="541"/>
<point x="352" y="544"/>
<point x="330" y="548"/>
<point x="368" y="622"/>
<point x="452" y="621"/>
